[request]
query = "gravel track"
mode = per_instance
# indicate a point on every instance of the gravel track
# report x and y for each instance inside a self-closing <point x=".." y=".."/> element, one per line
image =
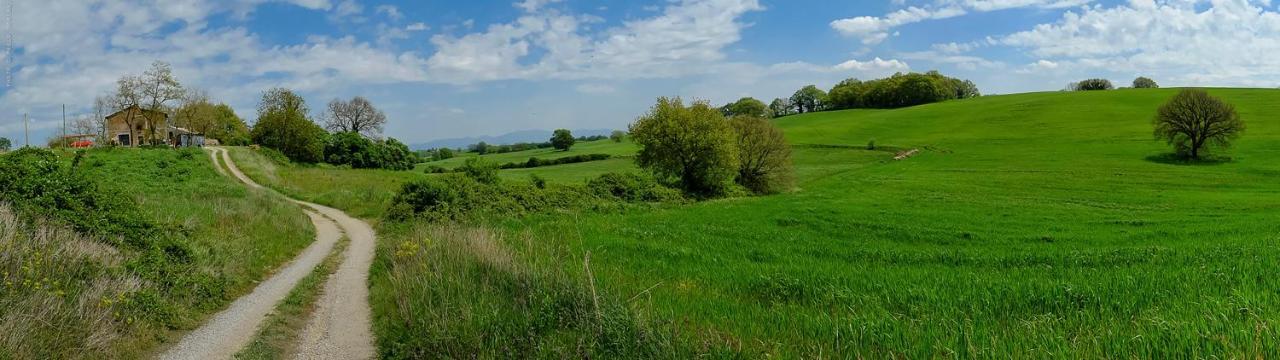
<point x="233" y="328"/>
<point x="341" y="326"/>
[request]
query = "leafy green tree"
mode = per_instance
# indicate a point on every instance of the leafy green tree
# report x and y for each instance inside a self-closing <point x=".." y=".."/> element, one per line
<point x="779" y="108"/>
<point x="746" y="106"/>
<point x="618" y="135"/>
<point x="808" y="99"/>
<point x="228" y="127"/>
<point x="764" y="157"/>
<point x="691" y="145"/>
<point x="395" y="155"/>
<point x="350" y="148"/>
<point x="5" y="144"/>
<point x="283" y="125"/>
<point x="444" y="154"/>
<point x="848" y="94"/>
<point x="1194" y="121"/>
<point x="1143" y="82"/>
<point x="562" y="139"/>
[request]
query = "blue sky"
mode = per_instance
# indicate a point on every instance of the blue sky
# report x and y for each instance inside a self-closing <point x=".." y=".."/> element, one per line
<point x="443" y="69"/>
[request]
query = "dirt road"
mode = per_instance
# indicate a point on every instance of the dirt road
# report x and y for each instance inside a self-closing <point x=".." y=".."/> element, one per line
<point x="233" y="328"/>
<point x="341" y="326"/>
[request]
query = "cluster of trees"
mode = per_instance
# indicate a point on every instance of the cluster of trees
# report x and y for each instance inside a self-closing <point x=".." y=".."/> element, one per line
<point x="1141" y="82"/>
<point x="703" y="153"/>
<point x="283" y="124"/>
<point x="899" y="90"/>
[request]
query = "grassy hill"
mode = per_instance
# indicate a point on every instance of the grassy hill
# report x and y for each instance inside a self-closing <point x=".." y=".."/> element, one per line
<point x="1045" y="225"/>
<point x="86" y="296"/>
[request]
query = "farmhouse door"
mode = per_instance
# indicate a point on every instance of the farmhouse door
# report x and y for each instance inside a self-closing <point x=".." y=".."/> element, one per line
<point x="123" y="139"/>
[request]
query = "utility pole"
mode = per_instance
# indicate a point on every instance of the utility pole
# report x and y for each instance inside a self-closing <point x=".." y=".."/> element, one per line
<point x="64" y="127"/>
<point x="26" y="131"/>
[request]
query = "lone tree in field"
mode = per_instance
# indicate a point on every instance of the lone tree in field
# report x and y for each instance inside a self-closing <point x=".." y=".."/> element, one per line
<point x="618" y="135"/>
<point x="5" y="144"/>
<point x="1143" y="82"/>
<point x="764" y="158"/>
<point x="1193" y="121"/>
<point x="692" y="145"/>
<point x="357" y="115"/>
<point x="562" y="139"/>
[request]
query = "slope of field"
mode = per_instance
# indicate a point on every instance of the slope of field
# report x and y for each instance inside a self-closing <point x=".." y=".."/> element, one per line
<point x="1031" y="225"/>
<point x="1045" y="224"/>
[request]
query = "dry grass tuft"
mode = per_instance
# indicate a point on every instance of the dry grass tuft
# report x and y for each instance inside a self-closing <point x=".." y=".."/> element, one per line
<point x="60" y="293"/>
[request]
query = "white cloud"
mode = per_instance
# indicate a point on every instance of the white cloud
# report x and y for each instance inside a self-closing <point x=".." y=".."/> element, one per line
<point x="686" y="37"/>
<point x="876" y="64"/>
<point x="1228" y="42"/>
<point x="418" y="26"/>
<point x="873" y="30"/>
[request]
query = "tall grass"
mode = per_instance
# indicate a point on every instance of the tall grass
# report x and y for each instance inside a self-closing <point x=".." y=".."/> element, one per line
<point x="61" y="293"/>
<point x="452" y="291"/>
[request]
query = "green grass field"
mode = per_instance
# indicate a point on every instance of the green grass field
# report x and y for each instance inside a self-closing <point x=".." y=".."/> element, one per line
<point x="1044" y="225"/>
<point x="608" y="147"/>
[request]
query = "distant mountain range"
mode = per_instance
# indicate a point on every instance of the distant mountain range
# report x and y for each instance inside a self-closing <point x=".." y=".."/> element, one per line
<point x="527" y="136"/>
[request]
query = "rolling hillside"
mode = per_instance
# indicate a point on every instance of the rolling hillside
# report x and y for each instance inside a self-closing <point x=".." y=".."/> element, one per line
<point x="1036" y="225"/>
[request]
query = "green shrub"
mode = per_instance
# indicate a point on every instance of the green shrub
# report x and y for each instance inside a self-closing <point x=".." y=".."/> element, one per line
<point x="435" y="169"/>
<point x="35" y="181"/>
<point x="534" y="162"/>
<point x="632" y="188"/>
<point x="480" y="170"/>
<point x="461" y="197"/>
<point x="357" y="151"/>
<point x="690" y="145"/>
<point x="1143" y="82"/>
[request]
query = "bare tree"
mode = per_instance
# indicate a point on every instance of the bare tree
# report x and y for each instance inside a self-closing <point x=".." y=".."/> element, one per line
<point x="152" y="91"/>
<point x="357" y="115"/>
<point x="103" y="105"/>
<point x="86" y="125"/>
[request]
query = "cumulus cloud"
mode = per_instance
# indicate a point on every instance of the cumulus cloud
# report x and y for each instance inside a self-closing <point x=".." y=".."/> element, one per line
<point x="686" y="37"/>
<point x="1220" y="42"/>
<point x="873" y="30"/>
